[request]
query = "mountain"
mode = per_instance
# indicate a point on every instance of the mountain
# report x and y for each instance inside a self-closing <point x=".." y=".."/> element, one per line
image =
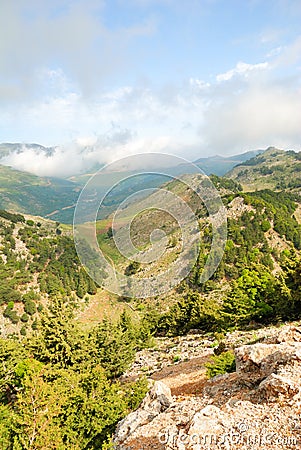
<point x="261" y="225"/>
<point x="30" y="194"/>
<point x="56" y="198"/>
<point x="45" y="347"/>
<point x="220" y="165"/>
<point x="273" y="169"/>
<point x="217" y="165"/>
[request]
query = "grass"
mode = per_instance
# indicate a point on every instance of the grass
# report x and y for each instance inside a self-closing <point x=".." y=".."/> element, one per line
<point x="104" y="304"/>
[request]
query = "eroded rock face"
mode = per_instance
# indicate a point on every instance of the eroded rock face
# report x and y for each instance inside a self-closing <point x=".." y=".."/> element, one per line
<point x="258" y="361"/>
<point x="261" y="401"/>
<point x="275" y="385"/>
<point x="156" y="401"/>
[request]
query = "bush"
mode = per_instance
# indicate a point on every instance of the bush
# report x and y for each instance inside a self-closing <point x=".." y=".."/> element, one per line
<point x="265" y="226"/>
<point x="30" y="307"/>
<point x="132" y="268"/>
<point x="11" y="315"/>
<point x="10" y="305"/>
<point x="35" y="325"/>
<point x="223" y="363"/>
<point x="25" y="317"/>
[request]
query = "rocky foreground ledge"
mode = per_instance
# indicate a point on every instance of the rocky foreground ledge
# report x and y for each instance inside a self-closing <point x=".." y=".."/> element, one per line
<point x="257" y="407"/>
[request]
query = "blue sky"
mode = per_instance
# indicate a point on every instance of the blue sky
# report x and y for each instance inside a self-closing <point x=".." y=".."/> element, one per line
<point x="194" y="78"/>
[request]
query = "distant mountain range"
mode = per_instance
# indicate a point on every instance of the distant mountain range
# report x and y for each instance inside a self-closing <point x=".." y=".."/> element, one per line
<point x="217" y="164"/>
<point x="55" y="198"/>
<point x="9" y="148"/>
<point x="220" y="165"/>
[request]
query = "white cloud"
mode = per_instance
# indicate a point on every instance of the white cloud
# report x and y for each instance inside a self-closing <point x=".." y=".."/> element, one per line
<point x="243" y="108"/>
<point x="257" y="117"/>
<point x="36" y="35"/>
<point x="242" y="69"/>
<point x="274" y="52"/>
<point x="291" y="54"/>
<point x="193" y="120"/>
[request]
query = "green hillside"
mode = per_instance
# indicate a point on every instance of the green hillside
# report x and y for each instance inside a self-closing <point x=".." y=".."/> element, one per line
<point x="54" y="334"/>
<point x="274" y="169"/>
<point x="44" y="350"/>
<point x="29" y="194"/>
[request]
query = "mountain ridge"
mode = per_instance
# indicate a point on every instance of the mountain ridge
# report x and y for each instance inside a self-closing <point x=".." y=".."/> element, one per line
<point x="273" y="169"/>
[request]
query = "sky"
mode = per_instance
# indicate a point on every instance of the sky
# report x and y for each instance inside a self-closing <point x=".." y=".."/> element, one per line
<point x="102" y="79"/>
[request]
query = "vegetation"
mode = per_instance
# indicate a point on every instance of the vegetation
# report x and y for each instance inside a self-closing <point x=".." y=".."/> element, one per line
<point x="244" y="289"/>
<point x="42" y="285"/>
<point x="43" y="267"/>
<point x="274" y="169"/>
<point x="223" y="363"/>
<point x="37" y="407"/>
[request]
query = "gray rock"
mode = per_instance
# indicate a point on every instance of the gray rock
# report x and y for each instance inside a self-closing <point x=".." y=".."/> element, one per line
<point x="276" y="384"/>
<point x="156" y="401"/>
<point x="258" y="361"/>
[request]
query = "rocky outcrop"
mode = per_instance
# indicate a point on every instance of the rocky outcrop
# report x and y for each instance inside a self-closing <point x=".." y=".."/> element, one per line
<point x="156" y="401"/>
<point x="275" y="385"/>
<point x="258" y="361"/>
<point x="256" y="407"/>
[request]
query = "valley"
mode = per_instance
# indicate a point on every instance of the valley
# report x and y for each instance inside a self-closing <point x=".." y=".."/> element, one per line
<point x="57" y="324"/>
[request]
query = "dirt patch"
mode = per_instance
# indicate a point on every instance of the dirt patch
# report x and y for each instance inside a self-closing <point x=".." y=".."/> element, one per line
<point x="185" y="378"/>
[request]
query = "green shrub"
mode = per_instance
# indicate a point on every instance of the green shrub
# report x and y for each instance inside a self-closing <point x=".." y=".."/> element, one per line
<point x="11" y="315"/>
<point x="10" y="305"/>
<point x="25" y="317"/>
<point x="30" y="307"/>
<point x="265" y="225"/>
<point x="223" y="363"/>
<point x="35" y="325"/>
<point x="132" y="268"/>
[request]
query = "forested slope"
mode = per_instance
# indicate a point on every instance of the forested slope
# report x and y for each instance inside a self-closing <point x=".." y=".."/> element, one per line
<point x="44" y="350"/>
<point x="58" y="383"/>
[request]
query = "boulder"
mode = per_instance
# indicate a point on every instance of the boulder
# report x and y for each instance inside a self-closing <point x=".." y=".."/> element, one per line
<point x="258" y="361"/>
<point x="276" y="385"/>
<point x="156" y="401"/>
<point x="210" y="420"/>
<point x="289" y="334"/>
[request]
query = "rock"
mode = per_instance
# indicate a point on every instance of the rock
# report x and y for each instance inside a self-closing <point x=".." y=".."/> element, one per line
<point x="160" y="393"/>
<point x="277" y="384"/>
<point x="156" y="401"/>
<point x="241" y="404"/>
<point x="258" y="361"/>
<point x="210" y="420"/>
<point x="289" y="334"/>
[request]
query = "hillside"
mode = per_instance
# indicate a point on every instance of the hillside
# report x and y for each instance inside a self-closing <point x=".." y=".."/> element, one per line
<point x="38" y="264"/>
<point x="273" y="169"/>
<point x="26" y="193"/>
<point x="59" y="329"/>
<point x="55" y="198"/>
